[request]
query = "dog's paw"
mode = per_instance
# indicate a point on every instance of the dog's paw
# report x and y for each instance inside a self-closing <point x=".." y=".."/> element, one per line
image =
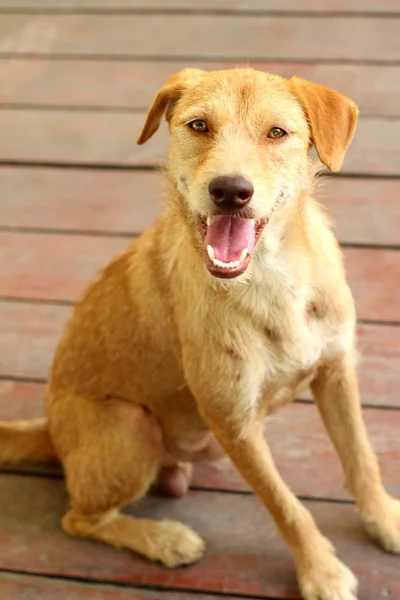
<point x="176" y="545"/>
<point x="382" y="522"/>
<point x="327" y="579"/>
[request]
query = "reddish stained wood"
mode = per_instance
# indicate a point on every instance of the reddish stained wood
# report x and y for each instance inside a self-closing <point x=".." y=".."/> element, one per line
<point x="248" y="558"/>
<point x="374" y="277"/>
<point x="380" y="356"/>
<point x="363" y="210"/>
<point x="20" y="587"/>
<point x="299" y="443"/>
<point x="82" y="255"/>
<point x="373" y="274"/>
<point x="87" y="83"/>
<point x="350" y="6"/>
<point x="21" y="400"/>
<point x="78" y="137"/>
<point x="250" y="37"/>
<point x="81" y="200"/>
<point x="110" y="138"/>
<point x="29" y="334"/>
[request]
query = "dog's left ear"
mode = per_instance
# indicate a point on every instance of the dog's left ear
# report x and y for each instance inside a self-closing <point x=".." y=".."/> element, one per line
<point x="166" y="97"/>
<point x="332" y="118"/>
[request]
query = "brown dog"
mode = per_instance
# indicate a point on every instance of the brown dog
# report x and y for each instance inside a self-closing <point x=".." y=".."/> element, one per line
<point x="217" y="316"/>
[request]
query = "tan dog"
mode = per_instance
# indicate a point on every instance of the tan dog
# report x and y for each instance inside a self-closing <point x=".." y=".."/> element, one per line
<point x="217" y="316"/>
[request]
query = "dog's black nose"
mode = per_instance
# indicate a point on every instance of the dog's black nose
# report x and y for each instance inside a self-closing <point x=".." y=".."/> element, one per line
<point x="230" y="192"/>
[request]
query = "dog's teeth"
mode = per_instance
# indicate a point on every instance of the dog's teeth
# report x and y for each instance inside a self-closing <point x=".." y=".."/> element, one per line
<point x="208" y="221"/>
<point x="223" y="265"/>
<point x="210" y="252"/>
<point x="243" y="254"/>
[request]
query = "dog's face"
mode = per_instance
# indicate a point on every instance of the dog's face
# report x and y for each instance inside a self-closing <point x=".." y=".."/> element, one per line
<point x="239" y="151"/>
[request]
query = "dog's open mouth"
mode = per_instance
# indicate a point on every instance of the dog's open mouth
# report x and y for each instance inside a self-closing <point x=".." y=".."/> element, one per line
<point x="229" y="241"/>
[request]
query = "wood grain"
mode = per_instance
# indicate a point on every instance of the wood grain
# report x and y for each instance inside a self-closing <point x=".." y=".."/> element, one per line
<point x="220" y="37"/>
<point x="244" y="552"/>
<point x="308" y="6"/>
<point x="67" y="263"/>
<point x="81" y="200"/>
<point x="20" y="587"/>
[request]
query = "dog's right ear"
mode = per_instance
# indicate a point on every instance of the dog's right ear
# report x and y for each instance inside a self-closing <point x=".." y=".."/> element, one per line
<point x="169" y="93"/>
<point x="332" y="118"/>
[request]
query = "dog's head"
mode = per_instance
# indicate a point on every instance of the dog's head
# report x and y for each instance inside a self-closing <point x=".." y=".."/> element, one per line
<point x="239" y="150"/>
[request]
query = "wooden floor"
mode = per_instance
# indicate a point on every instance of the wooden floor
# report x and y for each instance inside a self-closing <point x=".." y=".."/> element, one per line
<point x="76" y="77"/>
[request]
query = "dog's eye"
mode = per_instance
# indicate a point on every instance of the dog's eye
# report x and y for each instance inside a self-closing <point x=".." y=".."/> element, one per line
<point x="199" y="125"/>
<point x="276" y="133"/>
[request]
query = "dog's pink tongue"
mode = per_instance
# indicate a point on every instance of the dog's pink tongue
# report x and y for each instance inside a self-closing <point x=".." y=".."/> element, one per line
<point x="228" y="236"/>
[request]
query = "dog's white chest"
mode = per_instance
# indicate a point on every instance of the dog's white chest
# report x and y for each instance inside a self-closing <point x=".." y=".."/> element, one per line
<point x="303" y="343"/>
<point x="296" y="338"/>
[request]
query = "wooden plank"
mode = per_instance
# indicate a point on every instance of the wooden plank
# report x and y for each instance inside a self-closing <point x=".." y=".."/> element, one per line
<point x="298" y="456"/>
<point x="96" y="138"/>
<point x="20" y="587"/>
<point x="256" y="6"/>
<point x="154" y="35"/>
<point x="364" y="211"/>
<point x="374" y="277"/>
<point x="380" y="354"/>
<point x="248" y="558"/>
<point x="373" y="274"/>
<point x="87" y="83"/>
<point x="31" y="266"/>
<point x="21" y="400"/>
<point x="80" y="200"/>
<point x="30" y="333"/>
<point x="78" y="137"/>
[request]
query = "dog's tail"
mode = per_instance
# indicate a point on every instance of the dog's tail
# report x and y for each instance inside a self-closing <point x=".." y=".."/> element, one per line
<point x="26" y="441"/>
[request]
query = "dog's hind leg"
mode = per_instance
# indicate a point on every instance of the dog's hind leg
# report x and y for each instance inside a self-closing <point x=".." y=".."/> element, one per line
<point x="115" y="457"/>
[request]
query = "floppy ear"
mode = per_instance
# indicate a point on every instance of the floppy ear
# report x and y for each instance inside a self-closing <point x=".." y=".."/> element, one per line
<point x="332" y="118"/>
<point x="169" y="93"/>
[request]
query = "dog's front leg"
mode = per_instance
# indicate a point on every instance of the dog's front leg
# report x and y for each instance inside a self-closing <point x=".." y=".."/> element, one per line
<point x="321" y="575"/>
<point x="336" y="394"/>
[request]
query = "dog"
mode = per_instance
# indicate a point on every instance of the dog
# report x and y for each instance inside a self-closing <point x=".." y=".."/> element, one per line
<point x="218" y="315"/>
